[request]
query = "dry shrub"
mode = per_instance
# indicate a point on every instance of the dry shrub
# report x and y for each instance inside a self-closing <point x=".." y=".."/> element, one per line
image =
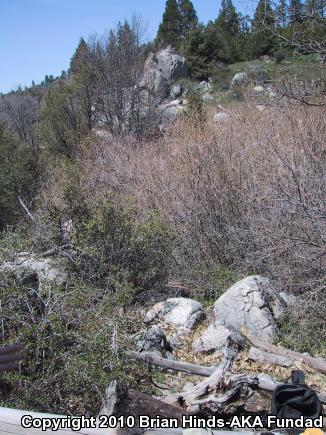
<point x="246" y="193"/>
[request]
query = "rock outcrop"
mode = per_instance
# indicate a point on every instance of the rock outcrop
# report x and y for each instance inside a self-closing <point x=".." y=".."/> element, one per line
<point x="28" y="267"/>
<point x="161" y="70"/>
<point x="178" y="312"/>
<point x="251" y="304"/>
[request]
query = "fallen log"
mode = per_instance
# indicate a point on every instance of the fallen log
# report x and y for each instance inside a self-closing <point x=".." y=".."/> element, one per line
<point x="9" y="357"/>
<point x="265" y="382"/>
<point x="121" y="401"/>
<point x="179" y="366"/>
<point x="262" y="356"/>
<point x="317" y="364"/>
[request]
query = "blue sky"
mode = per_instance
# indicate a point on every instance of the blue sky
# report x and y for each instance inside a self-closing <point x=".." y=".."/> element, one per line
<point x="38" y="37"/>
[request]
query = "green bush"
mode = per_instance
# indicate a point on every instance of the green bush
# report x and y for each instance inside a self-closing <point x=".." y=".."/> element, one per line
<point x="114" y="246"/>
<point x="281" y="54"/>
<point x="69" y="359"/>
<point x="301" y="328"/>
<point x="18" y="176"/>
<point x="195" y="104"/>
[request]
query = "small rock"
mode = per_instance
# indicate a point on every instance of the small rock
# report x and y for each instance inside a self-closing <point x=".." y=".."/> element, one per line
<point x="151" y="341"/>
<point x="205" y="86"/>
<point x="178" y="312"/>
<point x="176" y="91"/>
<point x="174" y="341"/>
<point x="207" y="96"/>
<point x="239" y="79"/>
<point x="220" y="116"/>
<point x="259" y="89"/>
<point x="289" y="299"/>
<point x="213" y="339"/>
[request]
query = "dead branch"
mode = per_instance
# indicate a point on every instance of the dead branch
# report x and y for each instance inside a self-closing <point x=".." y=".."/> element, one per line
<point x="179" y="366"/>
<point x="261" y="381"/>
<point x="317" y="364"/>
<point x="29" y="214"/>
<point x="261" y="356"/>
<point x="215" y="380"/>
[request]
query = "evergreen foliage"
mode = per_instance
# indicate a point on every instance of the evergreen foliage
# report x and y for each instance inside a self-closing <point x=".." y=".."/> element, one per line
<point x="169" y="29"/>
<point x="188" y="17"/>
<point x="18" y="176"/>
<point x="204" y="48"/>
<point x="295" y="12"/>
<point x="263" y="41"/>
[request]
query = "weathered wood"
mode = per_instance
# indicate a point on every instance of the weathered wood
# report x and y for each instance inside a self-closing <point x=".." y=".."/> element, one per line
<point x="54" y="250"/>
<point x="317" y="364"/>
<point x="29" y="214"/>
<point x="9" y="356"/>
<point x="120" y="401"/>
<point x="189" y="398"/>
<point x="262" y="356"/>
<point x="179" y="366"/>
<point x="265" y="382"/>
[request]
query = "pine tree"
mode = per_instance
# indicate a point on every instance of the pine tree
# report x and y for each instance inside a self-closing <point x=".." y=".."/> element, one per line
<point x="264" y="16"/>
<point x="169" y="29"/>
<point x="228" y="25"/>
<point x="204" y="47"/>
<point x="263" y="41"/>
<point x="295" y="12"/>
<point x="281" y="13"/>
<point x="228" y="19"/>
<point x="80" y="57"/>
<point x="316" y="8"/>
<point x="187" y="16"/>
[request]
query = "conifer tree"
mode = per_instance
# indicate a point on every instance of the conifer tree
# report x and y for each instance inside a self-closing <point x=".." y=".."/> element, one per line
<point x="295" y="12"/>
<point x="80" y="57"/>
<point x="169" y="29"/>
<point x="316" y="8"/>
<point x="281" y="13"/>
<point x="263" y="41"/>
<point x="187" y="16"/>
<point x="264" y="16"/>
<point x="228" y="19"/>
<point x="228" y="25"/>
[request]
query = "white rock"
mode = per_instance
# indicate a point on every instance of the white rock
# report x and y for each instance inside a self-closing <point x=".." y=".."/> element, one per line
<point x="213" y="339"/>
<point x="179" y="312"/>
<point x="289" y="299"/>
<point x="205" y="86"/>
<point x="260" y="107"/>
<point x="220" y="116"/>
<point x="251" y="304"/>
<point x="239" y="79"/>
<point x="46" y="269"/>
<point x="259" y="89"/>
<point x="176" y="91"/>
<point x="161" y="68"/>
